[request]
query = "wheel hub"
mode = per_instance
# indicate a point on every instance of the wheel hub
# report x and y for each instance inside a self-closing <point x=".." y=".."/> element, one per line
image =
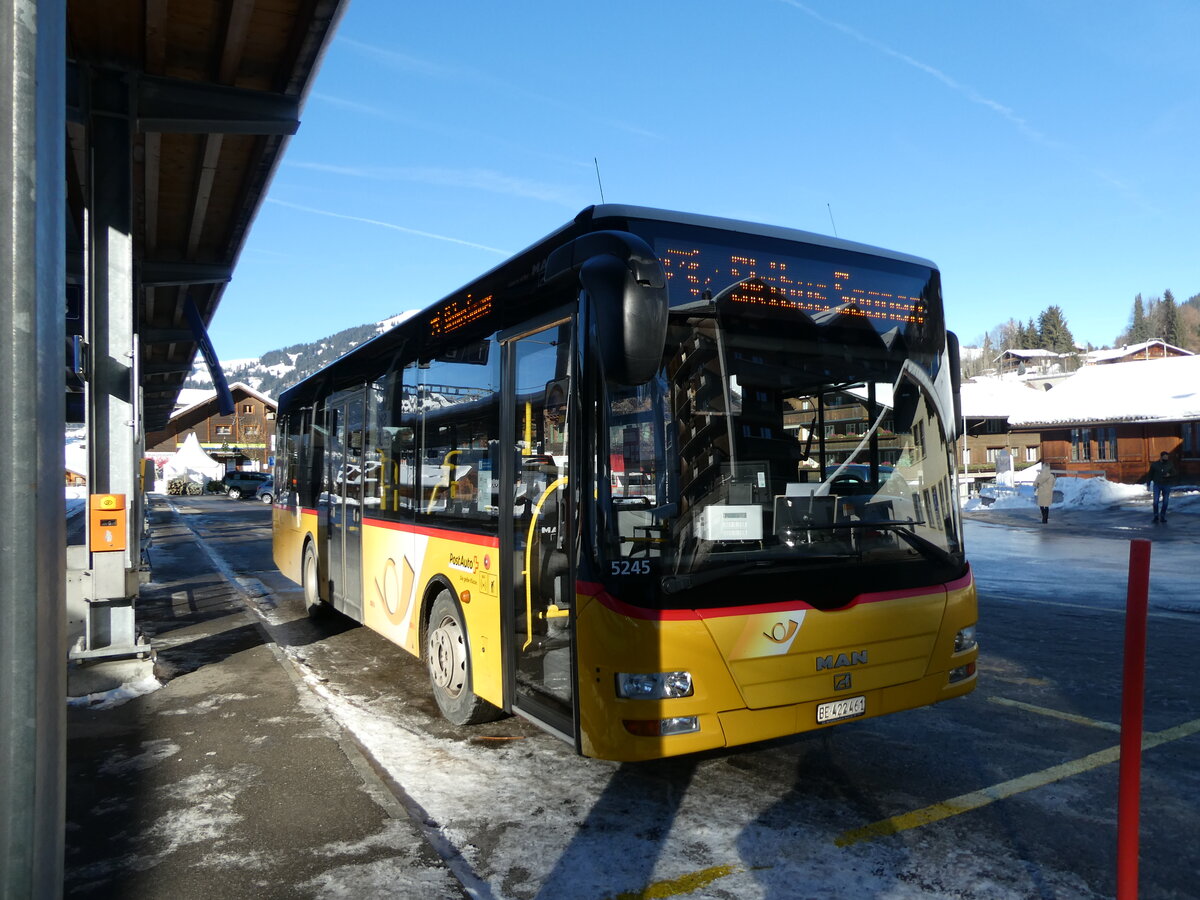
<point x="446" y="655"/>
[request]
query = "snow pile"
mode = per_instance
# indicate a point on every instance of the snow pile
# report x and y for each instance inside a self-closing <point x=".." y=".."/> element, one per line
<point x="118" y="695"/>
<point x="1092" y="493"/>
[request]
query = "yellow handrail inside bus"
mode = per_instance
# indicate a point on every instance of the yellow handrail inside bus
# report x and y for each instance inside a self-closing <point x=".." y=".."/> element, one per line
<point x="537" y="509"/>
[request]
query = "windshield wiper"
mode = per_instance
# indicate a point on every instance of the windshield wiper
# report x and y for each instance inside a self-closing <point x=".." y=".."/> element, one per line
<point x="903" y="528"/>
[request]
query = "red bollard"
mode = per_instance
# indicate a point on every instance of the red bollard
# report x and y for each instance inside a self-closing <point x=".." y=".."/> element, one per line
<point x="1132" y="703"/>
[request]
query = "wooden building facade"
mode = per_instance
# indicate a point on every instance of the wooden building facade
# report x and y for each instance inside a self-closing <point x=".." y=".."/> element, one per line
<point x="243" y="441"/>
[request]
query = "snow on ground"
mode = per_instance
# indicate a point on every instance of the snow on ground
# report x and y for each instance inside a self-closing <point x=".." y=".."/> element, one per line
<point x="118" y="695"/>
<point x="478" y="806"/>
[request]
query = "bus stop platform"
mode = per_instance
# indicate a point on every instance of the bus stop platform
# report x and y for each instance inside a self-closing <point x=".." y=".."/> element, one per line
<point x="229" y="780"/>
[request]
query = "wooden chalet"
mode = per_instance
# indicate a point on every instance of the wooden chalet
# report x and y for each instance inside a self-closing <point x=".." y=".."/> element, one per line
<point x="1154" y="349"/>
<point x="1117" y="419"/>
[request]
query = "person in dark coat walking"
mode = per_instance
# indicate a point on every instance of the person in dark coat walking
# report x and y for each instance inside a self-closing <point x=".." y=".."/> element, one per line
<point x="1161" y="476"/>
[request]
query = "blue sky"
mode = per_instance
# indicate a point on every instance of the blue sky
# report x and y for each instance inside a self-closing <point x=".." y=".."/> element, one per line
<point x="1039" y="151"/>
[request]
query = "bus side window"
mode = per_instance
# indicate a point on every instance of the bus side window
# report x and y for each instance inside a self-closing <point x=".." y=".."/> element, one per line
<point x="459" y="413"/>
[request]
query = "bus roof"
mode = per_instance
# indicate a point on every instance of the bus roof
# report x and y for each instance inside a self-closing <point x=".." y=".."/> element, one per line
<point x="522" y="270"/>
<point x="621" y="211"/>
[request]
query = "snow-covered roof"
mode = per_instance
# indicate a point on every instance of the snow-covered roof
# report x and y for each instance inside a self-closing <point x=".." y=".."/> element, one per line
<point x="1097" y="356"/>
<point x="1153" y="390"/>
<point x="997" y="397"/>
<point x="1031" y="354"/>
<point x="198" y="397"/>
<point x="191" y="396"/>
<point x="984" y="398"/>
<point x="883" y="394"/>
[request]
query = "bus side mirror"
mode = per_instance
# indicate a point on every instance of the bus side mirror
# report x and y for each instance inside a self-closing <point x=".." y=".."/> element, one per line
<point x="630" y="312"/>
<point x="627" y="286"/>
<point x="954" y="360"/>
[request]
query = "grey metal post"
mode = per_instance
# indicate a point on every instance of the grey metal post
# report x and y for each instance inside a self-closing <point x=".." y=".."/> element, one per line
<point x="111" y="391"/>
<point x="32" y="515"/>
<point x="112" y="395"/>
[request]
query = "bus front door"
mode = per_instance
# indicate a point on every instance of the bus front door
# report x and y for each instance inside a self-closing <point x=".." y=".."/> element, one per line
<point x="540" y="664"/>
<point x="345" y="457"/>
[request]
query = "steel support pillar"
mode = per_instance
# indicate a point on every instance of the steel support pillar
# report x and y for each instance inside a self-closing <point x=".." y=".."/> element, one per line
<point x="32" y="386"/>
<point x="108" y="585"/>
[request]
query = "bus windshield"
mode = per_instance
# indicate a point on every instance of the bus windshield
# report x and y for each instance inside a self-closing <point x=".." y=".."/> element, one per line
<point x="808" y="451"/>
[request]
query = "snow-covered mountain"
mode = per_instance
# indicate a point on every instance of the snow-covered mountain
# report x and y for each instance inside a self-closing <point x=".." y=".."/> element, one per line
<point x="277" y="370"/>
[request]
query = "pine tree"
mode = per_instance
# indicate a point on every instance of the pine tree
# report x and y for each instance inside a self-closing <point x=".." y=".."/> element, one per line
<point x="1053" y="332"/>
<point x="1169" y="318"/>
<point x="1139" y="328"/>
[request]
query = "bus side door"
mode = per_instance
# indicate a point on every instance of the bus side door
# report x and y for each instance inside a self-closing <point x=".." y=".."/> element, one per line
<point x="345" y="455"/>
<point x="537" y="532"/>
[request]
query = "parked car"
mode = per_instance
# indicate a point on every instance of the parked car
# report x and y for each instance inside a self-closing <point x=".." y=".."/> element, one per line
<point x="243" y="484"/>
<point x="266" y="491"/>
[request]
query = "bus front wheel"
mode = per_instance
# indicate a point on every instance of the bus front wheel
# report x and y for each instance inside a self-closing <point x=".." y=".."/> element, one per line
<point x="313" y="604"/>
<point x="449" y="664"/>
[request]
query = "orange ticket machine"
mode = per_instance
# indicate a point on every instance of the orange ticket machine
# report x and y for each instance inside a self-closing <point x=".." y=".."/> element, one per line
<point x="106" y="522"/>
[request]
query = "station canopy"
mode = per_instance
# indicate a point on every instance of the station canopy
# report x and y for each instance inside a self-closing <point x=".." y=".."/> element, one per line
<point x="212" y="90"/>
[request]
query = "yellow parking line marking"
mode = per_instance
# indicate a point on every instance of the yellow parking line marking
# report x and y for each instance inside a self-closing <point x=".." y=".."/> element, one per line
<point x="684" y="884"/>
<point x="1036" y="682"/>
<point x="976" y="799"/>
<point x="1056" y="714"/>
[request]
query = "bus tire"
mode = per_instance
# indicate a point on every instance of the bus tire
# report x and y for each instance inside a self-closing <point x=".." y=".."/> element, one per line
<point x="448" y="662"/>
<point x="313" y="604"/>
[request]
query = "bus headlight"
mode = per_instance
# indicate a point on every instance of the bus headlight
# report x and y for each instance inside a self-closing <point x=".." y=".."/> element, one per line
<point x="965" y="639"/>
<point x="654" y="685"/>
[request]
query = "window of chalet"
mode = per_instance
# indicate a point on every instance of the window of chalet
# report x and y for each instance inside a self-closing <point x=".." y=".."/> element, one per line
<point x="1089" y="444"/>
<point x="1106" y="439"/>
<point x="1191" y="439"/>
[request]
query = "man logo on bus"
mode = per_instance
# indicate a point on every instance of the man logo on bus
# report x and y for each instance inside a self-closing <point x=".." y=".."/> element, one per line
<point x="855" y="658"/>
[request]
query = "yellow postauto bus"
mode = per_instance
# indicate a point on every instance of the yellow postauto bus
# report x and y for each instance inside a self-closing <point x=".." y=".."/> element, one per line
<point x="659" y="483"/>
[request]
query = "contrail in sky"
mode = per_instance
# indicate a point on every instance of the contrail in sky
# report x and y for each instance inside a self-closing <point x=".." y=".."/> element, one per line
<point x="974" y="96"/>
<point x="965" y="90"/>
<point x="464" y="74"/>
<point x="392" y="226"/>
<point x="476" y="179"/>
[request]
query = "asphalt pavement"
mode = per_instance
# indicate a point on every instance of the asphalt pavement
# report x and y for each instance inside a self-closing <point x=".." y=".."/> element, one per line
<point x="230" y="780"/>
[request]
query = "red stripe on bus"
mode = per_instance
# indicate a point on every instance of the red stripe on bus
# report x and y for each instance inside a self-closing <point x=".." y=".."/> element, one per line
<point x="592" y="589"/>
<point x="483" y="540"/>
